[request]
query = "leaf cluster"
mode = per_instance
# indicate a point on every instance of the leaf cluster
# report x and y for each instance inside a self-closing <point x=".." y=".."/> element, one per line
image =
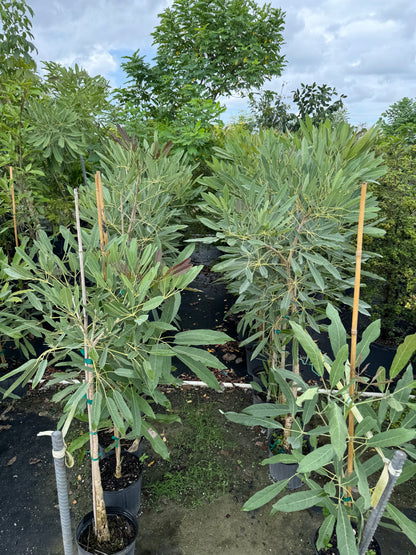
<point x="324" y="469"/>
<point x="284" y="210"/>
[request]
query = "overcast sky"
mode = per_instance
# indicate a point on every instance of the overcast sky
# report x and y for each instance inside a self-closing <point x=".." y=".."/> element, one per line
<point x="364" y="48"/>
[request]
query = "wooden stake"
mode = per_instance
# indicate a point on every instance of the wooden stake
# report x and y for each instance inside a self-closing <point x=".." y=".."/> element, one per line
<point x="358" y="257"/>
<point x="100" y="515"/>
<point x="13" y="206"/>
<point x="102" y="225"/>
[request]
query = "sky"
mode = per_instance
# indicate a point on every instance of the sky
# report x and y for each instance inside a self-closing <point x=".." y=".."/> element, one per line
<point x="366" y="49"/>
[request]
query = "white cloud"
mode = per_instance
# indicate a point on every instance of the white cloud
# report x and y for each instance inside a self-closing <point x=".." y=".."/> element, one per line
<point x="367" y="50"/>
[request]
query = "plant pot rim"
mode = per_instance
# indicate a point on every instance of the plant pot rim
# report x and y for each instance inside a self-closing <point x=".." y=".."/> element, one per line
<point x="111" y="511"/>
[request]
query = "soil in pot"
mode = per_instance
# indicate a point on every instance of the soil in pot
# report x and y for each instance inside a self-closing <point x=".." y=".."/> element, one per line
<point x="124" y="492"/>
<point x="107" y="442"/>
<point x="332" y="547"/>
<point x="123" y="532"/>
<point x="131" y="468"/>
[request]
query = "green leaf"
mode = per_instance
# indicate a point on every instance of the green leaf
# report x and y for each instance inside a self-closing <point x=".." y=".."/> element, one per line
<point x="96" y="410"/>
<point x="325" y="531"/>
<point x="345" y="532"/>
<point x="78" y="442"/>
<point x="406" y="525"/>
<point x="392" y="438"/>
<point x="363" y="488"/>
<point x="122" y="407"/>
<point x="156" y="442"/>
<point x="310" y="347"/>
<point x="337" y="429"/>
<point x="115" y="416"/>
<point x="336" y="331"/>
<point x="201" y="337"/>
<point x="298" y="501"/>
<point x="151" y="304"/>
<point x="248" y="420"/>
<point x="39" y="374"/>
<point x="307" y="396"/>
<point x="370" y="334"/>
<point x="338" y="366"/>
<point x="404" y="352"/>
<point x="316" y="459"/>
<point x="264" y="496"/>
<point x="200" y="370"/>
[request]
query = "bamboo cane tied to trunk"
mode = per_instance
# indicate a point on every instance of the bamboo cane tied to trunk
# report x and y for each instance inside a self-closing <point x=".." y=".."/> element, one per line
<point x="358" y="258"/>
<point x="16" y="239"/>
<point x="100" y="516"/>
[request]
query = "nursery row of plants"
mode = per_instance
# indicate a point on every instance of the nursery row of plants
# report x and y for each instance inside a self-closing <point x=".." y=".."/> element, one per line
<point x="104" y="301"/>
<point x="92" y="276"/>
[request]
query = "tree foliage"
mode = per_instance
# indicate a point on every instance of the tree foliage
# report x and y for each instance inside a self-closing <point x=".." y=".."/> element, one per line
<point x="205" y="49"/>
<point x="400" y="120"/>
<point x="395" y="300"/>
<point x="317" y="102"/>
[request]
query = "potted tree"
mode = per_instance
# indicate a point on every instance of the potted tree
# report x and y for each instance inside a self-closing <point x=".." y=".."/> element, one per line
<point x="110" y="319"/>
<point x="384" y="423"/>
<point x="283" y="208"/>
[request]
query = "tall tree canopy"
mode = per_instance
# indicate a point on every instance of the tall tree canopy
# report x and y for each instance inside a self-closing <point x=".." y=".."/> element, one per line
<point x="206" y="48"/>
<point x="400" y="120"/>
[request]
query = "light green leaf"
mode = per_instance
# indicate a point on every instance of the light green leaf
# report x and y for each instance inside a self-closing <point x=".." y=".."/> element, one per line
<point x="338" y="366"/>
<point x="201" y="337"/>
<point x="337" y="429"/>
<point x="404" y="352"/>
<point x="151" y="304"/>
<point x="310" y="347"/>
<point x="317" y="459"/>
<point x="298" y="501"/>
<point x="96" y="410"/>
<point x="345" y="532"/>
<point x="336" y="331"/>
<point x="325" y="531"/>
<point x="406" y="525"/>
<point x="248" y="420"/>
<point x="370" y="334"/>
<point x="156" y="442"/>
<point x="264" y="496"/>
<point x="392" y="438"/>
<point x="363" y="488"/>
<point x="115" y="416"/>
<point x="307" y="396"/>
<point x="122" y="407"/>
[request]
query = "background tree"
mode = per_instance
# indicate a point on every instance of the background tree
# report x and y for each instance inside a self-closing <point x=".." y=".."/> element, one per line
<point x="394" y="301"/>
<point x="317" y="102"/>
<point x="400" y="120"/>
<point x="18" y="85"/>
<point x="206" y="49"/>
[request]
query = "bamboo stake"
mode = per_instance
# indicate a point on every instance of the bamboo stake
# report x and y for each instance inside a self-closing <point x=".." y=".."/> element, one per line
<point x="358" y="257"/>
<point x="13" y="206"/>
<point x="100" y="515"/>
<point x="102" y="225"/>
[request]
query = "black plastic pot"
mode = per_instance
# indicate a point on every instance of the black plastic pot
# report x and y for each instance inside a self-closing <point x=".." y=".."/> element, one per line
<point x="128" y="498"/>
<point x="88" y="521"/>
<point x="283" y="471"/>
<point x="373" y="545"/>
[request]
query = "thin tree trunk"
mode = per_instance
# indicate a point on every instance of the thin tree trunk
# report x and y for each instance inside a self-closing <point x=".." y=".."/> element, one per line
<point x="100" y="516"/>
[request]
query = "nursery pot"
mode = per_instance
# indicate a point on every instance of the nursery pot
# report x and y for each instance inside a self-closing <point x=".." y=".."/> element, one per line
<point x="88" y="521"/>
<point x="283" y="471"/>
<point x="374" y="545"/>
<point x="128" y="497"/>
